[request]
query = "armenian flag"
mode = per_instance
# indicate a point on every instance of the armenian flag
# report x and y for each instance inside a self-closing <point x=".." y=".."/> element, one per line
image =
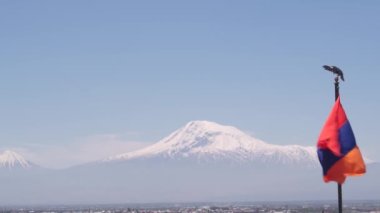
<point x="337" y="150"/>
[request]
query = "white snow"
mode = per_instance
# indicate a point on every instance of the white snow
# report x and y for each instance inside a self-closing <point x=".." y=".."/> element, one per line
<point x="10" y="159"/>
<point x="209" y="140"/>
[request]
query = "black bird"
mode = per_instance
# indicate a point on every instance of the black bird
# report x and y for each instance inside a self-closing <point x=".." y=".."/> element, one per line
<point x="334" y="70"/>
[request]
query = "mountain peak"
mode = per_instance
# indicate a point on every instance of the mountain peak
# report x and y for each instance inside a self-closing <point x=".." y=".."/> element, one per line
<point x="200" y="138"/>
<point x="11" y="159"/>
<point x="203" y="124"/>
<point x="209" y="141"/>
<point x="200" y="126"/>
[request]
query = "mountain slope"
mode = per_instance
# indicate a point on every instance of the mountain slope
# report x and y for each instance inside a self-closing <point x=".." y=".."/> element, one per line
<point x="209" y="141"/>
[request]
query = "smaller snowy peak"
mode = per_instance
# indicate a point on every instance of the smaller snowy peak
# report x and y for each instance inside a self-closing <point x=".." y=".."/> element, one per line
<point x="369" y="161"/>
<point x="10" y="159"/>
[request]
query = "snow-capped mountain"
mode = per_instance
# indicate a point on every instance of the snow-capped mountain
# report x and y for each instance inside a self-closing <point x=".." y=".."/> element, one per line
<point x="192" y="164"/>
<point x="209" y="141"/>
<point x="10" y="159"/>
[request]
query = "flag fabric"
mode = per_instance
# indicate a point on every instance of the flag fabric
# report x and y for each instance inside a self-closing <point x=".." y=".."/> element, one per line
<point x="337" y="150"/>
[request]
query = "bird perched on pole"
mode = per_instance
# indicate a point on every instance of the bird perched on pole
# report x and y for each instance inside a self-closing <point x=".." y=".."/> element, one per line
<point x="334" y="70"/>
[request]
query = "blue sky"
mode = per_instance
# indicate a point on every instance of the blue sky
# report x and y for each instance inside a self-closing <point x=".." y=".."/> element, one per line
<point x="72" y="71"/>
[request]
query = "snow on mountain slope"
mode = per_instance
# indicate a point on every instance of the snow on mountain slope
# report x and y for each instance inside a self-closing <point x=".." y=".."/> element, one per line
<point x="10" y="159"/>
<point x="205" y="141"/>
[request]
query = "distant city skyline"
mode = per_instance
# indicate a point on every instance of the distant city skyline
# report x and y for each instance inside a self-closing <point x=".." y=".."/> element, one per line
<point x="79" y="79"/>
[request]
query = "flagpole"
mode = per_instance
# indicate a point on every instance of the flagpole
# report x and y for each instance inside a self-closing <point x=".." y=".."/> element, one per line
<point x="339" y="74"/>
<point x="340" y="203"/>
